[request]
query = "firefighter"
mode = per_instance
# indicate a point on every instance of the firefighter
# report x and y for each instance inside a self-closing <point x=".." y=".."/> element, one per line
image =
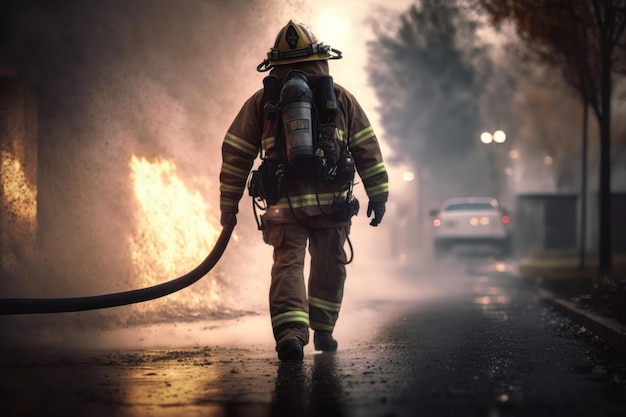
<point x="309" y="207"/>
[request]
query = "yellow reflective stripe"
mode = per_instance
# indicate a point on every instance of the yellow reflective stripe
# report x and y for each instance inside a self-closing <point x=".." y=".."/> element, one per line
<point x="233" y="170"/>
<point x="308" y="200"/>
<point x="225" y="201"/>
<point x="316" y="325"/>
<point x="268" y="143"/>
<point x="290" y="317"/>
<point x="378" y="189"/>
<point x="373" y="170"/>
<point x="324" y="305"/>
<point x="341" y="135"/>
<point x="225" y="188"/>
<point x="361" y="136"/>
<point x="242" y="145"/>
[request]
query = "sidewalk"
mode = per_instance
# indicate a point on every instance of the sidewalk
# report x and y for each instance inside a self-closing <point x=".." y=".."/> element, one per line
<point x="609" y="330"/>
<point x="596" y="302"/>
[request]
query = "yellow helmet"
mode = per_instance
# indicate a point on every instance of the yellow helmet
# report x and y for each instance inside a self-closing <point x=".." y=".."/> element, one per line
<point x="296" y="43"/>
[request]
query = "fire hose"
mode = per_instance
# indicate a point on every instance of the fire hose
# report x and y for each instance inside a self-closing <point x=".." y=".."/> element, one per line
<point x="10" y="306"/>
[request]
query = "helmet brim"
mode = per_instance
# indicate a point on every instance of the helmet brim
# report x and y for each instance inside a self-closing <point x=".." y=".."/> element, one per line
<point x="314" y="57"/>
<point x="269" y="63"/>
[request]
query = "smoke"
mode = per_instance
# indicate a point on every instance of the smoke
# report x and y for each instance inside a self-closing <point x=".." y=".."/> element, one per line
<point x="159" y="80"/>
<point x="117" y="79"/>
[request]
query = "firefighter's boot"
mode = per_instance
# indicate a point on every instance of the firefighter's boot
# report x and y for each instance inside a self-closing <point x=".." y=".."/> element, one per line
<point x="324" y="341"/>
<point x="290" y="349"/>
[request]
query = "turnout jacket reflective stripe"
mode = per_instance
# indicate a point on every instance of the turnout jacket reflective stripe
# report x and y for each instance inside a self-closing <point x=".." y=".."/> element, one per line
<point x="251" y="132"/>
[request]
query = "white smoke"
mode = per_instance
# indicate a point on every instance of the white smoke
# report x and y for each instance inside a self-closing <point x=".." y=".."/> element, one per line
<point x="165" y="79"/>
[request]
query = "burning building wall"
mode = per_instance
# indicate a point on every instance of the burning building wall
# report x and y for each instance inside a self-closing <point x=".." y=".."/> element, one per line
<point x="18" y="172"/>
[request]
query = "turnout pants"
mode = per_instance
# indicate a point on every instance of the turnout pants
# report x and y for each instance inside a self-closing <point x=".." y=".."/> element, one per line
<point x="291" y="310"/>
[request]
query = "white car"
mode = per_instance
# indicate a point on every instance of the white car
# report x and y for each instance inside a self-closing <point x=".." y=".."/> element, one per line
<point x="471" y="224"/>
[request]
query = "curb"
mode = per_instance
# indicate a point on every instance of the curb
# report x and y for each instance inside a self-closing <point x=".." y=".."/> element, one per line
<point x="607" y="329"/>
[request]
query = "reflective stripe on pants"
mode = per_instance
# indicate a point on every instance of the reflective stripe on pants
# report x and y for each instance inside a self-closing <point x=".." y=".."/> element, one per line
<point x="288" y="296"/>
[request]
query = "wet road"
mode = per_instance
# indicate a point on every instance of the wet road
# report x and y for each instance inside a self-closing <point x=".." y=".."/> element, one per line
<point x="480" y="345"/>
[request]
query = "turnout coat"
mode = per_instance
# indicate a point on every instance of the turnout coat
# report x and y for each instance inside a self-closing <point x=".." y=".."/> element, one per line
<point x="310" y="202"/>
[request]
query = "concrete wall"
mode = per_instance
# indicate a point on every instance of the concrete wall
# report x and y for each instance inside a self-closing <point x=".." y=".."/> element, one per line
<point x="551" y="221"/>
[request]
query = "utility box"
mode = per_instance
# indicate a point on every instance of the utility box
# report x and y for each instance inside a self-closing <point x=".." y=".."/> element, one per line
<point x="545" y="222"/>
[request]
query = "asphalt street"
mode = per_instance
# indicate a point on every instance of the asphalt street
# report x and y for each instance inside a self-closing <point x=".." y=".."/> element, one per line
<point x="474" y="340"/>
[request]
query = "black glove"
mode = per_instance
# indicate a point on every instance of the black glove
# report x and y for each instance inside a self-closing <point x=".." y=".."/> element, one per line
<point x="379" y="211"/>
<point x="228" y="219"/>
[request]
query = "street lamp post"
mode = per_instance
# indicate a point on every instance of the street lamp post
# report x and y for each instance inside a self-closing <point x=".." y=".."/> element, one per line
<point x="497" y="137"/>
<point x="411" y="212"/>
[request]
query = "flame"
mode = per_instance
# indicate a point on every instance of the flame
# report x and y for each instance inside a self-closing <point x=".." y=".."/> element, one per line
<point x="19" y="218"/>
<point x="174" y="234"/>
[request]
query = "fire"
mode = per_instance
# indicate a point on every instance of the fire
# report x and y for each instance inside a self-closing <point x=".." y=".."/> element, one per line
<point x="174" y="233"/>
<point x="19" y="211"/>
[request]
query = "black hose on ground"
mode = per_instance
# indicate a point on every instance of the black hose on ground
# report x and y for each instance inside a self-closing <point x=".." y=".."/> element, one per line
<point x="9" y="306"/>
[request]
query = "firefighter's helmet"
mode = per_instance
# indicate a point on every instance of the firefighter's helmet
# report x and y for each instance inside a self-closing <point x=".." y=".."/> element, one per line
<point x="296" y="43"/>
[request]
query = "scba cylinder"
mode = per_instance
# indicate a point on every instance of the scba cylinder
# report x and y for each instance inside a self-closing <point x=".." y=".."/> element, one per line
<point x="296" y="101"/>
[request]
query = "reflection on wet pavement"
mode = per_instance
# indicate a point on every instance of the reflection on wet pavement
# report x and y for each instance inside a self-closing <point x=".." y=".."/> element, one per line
<point x="476" y="347"/>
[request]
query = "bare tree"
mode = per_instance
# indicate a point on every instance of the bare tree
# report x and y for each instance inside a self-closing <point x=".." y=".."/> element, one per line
<point x="585" y="39"/>
<point x="544" y="135"/>
<point x="430" y="74"/>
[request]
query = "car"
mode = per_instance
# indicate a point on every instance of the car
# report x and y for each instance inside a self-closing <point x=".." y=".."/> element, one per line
<point x="475" y="225"/>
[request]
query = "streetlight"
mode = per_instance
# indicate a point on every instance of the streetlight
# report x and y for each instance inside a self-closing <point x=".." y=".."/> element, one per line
<point x="548" y="161"/>
<point x="402" y="222"/>
<point x="410" y="214"/>
<point x="498" y="137"/>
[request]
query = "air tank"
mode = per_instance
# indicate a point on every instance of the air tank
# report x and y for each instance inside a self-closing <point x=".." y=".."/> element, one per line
<point x="296" y="102"/>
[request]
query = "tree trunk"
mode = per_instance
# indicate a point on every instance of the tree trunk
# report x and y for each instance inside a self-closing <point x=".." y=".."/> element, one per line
<point x="583" y="187"/>
<point x="605" y="258"/>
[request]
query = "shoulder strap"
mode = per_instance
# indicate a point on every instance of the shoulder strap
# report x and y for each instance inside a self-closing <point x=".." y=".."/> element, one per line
<point x="270" y="109"/>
